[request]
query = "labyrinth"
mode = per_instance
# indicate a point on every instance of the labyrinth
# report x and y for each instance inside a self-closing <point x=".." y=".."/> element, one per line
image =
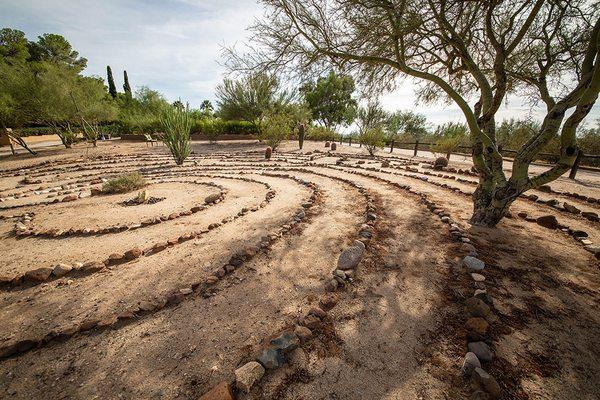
<point x="345" y="276"/>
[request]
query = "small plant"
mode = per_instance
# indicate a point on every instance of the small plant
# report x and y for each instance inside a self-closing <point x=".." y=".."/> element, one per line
<point x="373" y="139"/>
<point x="124" y="183"/>
<point x="277" y="128"/>
<point x="177" y="124"/>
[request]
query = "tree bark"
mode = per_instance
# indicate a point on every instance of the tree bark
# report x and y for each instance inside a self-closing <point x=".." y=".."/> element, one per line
<point x="491" y="203"/>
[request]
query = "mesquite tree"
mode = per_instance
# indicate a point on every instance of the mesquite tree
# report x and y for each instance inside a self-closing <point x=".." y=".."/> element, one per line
<point x="473" y="53"/>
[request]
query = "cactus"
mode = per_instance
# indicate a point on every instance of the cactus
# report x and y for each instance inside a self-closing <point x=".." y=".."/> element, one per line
<point x="333" y="146"/>
<point x="268" y="153"/>
<point x="301" y="136"/>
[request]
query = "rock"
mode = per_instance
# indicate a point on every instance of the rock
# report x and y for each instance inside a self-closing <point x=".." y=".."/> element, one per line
<point x="477" y="324"/>
<point x="247" y="375"/>
<point x="571" y="208"/>
<point x="328" y="301"/>
<point x="470" y="362"/>
<point x="351" y="256"/>
<point x="211" y="279"/>
<point x="220" y="392"/>
<point x="473" y="263"/>
<point x="186" y="291"/>
<point x="285" y="342"/>
<point x="303" y="332"/>
<point x="310" y="321"/>
<point x="211" y="198"/>
<point x="271" y="358"/>
<point x="488" y="382"/>
<point x="39" y="274"/>
<point x="547" y="221"/>
<point x="440" y="163"/>
<point x="317" y="312"/>
<point x="470" y="248"/>
<point x="71" y="197"/>
<point x="61" y="270"/>
<point x="592" y="216"/>
<point x="92" y="266"/>
<point x="132" y="254"/>
<point x="385" y="164"/>
<point x="477" y="277"/>
<point x="481" y="350"/>
<point x="477" y="307"/>
<point x="331" y="285"/>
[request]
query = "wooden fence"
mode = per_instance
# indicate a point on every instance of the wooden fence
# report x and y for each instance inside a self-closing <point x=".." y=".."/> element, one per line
<point x="416" y="146"/>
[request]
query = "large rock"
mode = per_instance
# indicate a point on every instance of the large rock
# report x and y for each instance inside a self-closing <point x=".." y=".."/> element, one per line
<point x="351" y="256"/>
<point x="488" y="382"/>
<point x="39" y="274"/>
<point x="473" y="263"/>
<point x="211" y="198"/>
<point x="247" y="375"/>
<point x="548" y="221"/>
<point x="285" y="342"/>
<point x="571" y="208"/>
<point x="477" y="307"/>
<point x="469" y="364"/>
<point x="61" y="270"/>
<point x="440" y="162"/>
<point x="271" y="358"/>
<point x="481" y="350"/>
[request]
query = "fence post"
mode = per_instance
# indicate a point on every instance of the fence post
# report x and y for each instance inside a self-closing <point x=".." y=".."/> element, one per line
<point x="416" y="147"/>
<point x="350" y="141"/>
<point x="392" y="146"/>
<point x="575" y="166"/>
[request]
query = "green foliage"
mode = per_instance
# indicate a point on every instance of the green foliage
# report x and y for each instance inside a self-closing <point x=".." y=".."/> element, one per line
<point x="277" y="128"/>
<point x="451" y="136"/>
<point x="251" y="98"/>
<point x="177" y="124"/>
<point x="13" y="45"/>
<point x="57" y="50"/>
<point x="406" y="126"/>
<point x="373" y="139"/>
<point x="330" y="100"/>
<point x="370" y="117"/>
<point x="206" y="107"/>
<point x="124" y="183"/>
<point x="210" y="127"/>
<point x="112" y="89"/>
<point x="321" y="133"/>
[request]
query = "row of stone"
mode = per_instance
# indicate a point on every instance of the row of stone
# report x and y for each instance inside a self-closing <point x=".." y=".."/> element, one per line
<point x="23" y="229"/>
<point x="160" y="302"/>
<point x="42" y="274"/>
<point x="281" y="347"/>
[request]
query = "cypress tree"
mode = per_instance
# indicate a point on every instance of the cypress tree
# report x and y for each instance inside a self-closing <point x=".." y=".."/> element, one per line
<point x="112" y="89"/>
<point x="126" y="86"/>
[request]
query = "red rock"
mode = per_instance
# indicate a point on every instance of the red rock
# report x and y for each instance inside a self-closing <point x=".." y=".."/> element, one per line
<point x="39" y="274"/>
<point x="477" y="324"/>
<point x="328" y="301"/>
<point x="220" y="392"/>
<point x="92" y="266"/>
<point x="133" y="253"/>
<point x="317" y="312"/>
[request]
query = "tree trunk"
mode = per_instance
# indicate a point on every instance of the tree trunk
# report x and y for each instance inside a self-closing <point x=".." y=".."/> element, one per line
<point x="490" y="204"/>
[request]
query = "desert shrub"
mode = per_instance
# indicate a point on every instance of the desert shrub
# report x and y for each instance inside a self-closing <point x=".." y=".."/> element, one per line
<point x="277" y="127"/>
<point x="320" y="133"/>
<point x="210" y="127"/>
<point x="124" y="183"/>
<point x="373" y="139"/>
<point x="450" y="138"/>
<point x="177" y="124"/>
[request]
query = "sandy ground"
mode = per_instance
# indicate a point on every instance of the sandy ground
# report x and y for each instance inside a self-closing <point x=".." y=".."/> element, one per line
<point x="396" y="333"/>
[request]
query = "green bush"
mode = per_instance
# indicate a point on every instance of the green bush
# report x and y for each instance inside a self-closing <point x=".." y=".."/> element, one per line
<point x="277" y="127"/>
<point x="373" y="139"/>
<point x="124" y="183"/>
<point x="320" y="133"/>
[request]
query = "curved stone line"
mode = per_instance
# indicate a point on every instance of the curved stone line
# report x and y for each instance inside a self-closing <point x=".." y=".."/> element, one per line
<point x="152" y="306"/>
<point x="30" y="231"/>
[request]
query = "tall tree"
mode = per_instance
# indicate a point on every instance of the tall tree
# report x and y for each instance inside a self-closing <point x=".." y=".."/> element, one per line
<point x="112" y="89"/>
<point x="13" y="45"/>
<point x="126" y="86"/>
<point x="56" y="49"/>
<point x="460" y="51"/>
<point x="407" y="124"/>
<point x="370" y="116"/>
<point x="330" y="99"/>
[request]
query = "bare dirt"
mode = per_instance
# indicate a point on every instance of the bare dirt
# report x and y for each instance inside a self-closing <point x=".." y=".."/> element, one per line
<point x="397" y="331"/>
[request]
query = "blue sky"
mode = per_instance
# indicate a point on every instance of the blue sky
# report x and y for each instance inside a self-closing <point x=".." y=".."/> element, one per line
<point x="174" y="46"/>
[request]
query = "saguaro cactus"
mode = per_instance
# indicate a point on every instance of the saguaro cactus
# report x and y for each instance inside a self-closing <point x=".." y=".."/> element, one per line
<point x="301" y="130"/>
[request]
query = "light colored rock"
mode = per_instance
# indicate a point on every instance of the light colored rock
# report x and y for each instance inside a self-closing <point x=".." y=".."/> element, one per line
<point x="477" y="277"/>
<point x="470" y="362"/>
<point x="351" y="256"/>
<point x="473" y="263"/>
<point x="61" y="270"/>
<point x="247" y="375"/>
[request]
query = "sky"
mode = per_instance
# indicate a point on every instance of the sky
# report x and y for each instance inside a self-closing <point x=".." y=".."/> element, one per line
<point x="175" y="46"/>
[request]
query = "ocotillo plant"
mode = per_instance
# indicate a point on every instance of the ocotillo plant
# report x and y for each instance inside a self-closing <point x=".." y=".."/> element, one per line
<point x="301" y="130"/>
<point x="177" y="124"/>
